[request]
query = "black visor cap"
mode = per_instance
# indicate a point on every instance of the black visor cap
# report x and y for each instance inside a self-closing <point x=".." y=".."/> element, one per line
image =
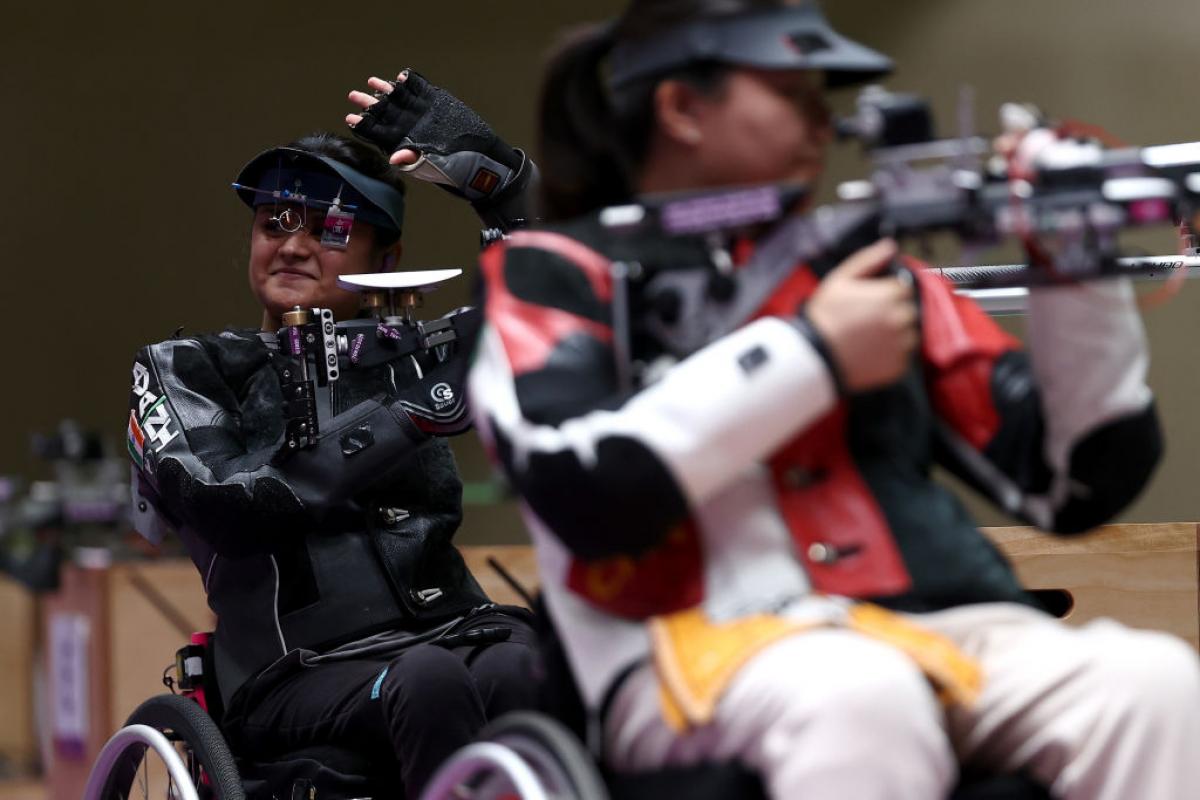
<point x="789" y="37"/>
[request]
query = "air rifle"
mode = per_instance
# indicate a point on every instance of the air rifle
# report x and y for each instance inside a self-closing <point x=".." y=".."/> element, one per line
<point x="1066" y="208"/>
<point x="320" y="347"/>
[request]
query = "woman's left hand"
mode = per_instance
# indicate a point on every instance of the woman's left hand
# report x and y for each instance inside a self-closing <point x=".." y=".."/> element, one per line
<point x="435" y="137"/>
<point x="403" y="156"/>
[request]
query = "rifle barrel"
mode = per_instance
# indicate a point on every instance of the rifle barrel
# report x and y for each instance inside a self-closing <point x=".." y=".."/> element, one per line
<point x="979" y="282"/>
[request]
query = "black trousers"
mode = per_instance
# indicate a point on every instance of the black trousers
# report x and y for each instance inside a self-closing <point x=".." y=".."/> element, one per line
<point x="417" y="708"/>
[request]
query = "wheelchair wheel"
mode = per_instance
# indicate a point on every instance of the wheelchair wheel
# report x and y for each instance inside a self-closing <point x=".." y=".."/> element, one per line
<point x="525" y="755"/>
<point x="171" y="749"/>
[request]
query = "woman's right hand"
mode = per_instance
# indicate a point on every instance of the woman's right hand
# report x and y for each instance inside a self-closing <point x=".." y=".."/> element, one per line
<point x="868" y="321"/>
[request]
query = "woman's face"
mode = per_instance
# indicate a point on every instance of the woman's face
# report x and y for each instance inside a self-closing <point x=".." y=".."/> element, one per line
<point x="763" y="126"/>
<point x="293" y="269"/>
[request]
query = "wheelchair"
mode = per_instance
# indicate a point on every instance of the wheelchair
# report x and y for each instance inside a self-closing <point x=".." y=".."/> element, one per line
<point x="171" y="748"/>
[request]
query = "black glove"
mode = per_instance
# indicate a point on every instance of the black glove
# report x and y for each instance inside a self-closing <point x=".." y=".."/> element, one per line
<point x="459" y="150"/>
<point x="437" y="400"/>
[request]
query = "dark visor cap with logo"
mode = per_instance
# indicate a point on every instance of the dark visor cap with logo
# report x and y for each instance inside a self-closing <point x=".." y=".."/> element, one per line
<point x="319" y="179"/>
<point x="789" y="37"/>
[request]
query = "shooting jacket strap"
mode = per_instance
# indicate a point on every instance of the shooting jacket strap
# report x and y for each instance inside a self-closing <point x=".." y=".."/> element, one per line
<point x="696" y="658"/>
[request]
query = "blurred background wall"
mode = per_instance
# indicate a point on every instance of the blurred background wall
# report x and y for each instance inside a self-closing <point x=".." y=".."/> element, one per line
<point x="125" y="122"/>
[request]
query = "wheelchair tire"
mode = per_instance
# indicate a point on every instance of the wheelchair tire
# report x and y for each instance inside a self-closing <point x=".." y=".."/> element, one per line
<point x="553" y="752"/>
<point x="183" y="722"/>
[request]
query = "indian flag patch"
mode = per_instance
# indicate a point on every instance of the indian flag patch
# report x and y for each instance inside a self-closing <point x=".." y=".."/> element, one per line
<point x="135" y="439"/>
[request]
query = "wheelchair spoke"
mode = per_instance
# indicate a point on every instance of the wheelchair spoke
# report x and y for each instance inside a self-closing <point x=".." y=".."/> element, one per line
<point x="143" y="781"/>
<point x="193" y="766"/>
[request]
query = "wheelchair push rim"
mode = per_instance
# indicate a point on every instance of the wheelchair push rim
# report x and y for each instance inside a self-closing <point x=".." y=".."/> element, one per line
<point x="192" y="758"/>
<point x="524" y="755"/>
<point x="124" y="756"/>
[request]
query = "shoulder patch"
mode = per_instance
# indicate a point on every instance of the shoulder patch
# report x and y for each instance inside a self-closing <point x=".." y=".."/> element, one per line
<point x="536" y="276"/>
<point x="149" y="413"/>
<point x="595" y="266"/>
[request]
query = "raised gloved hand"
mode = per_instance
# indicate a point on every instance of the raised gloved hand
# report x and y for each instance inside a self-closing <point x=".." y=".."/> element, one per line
<point x="436" y="400"/>
<point x="435" y="137"/>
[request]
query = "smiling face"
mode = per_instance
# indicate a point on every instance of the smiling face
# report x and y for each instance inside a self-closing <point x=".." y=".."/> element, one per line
<point x="294" y="269"/>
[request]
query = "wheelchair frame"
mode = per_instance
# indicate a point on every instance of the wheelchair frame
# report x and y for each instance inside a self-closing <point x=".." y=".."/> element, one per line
<point x="517" y="764"/>
<point x="524" y="755"/>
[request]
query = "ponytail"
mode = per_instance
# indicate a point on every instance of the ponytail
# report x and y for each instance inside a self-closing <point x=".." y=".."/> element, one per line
<point x="592" y="143"/>
<point x="582" y="163"/>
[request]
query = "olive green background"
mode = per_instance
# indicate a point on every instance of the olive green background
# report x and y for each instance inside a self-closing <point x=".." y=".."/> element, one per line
<point x="124" y="123"/>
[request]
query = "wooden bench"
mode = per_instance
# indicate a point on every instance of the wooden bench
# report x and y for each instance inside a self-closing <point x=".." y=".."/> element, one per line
<point x="1146" y="575"/>
<point x="18" y="633"/>
<point x="516" y="559"/>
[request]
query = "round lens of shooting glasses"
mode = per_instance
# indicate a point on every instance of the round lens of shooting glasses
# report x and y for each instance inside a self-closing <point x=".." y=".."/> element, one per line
<point x="289" y="220"/>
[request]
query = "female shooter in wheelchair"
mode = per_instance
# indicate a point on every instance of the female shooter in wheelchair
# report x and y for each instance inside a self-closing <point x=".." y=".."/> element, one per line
<point x="346" y="617"/>
<point x="740" y="542"/>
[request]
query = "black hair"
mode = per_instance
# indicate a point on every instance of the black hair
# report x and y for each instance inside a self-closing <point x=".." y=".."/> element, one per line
<point x="592" y="142"/>
<point x="364" y="158"/>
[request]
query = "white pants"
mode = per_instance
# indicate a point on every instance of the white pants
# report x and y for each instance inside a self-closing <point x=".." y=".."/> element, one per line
<point x="1100" y="712"/>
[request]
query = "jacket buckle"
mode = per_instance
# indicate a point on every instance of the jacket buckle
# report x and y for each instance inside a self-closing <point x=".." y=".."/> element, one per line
<point x="391" y="516"/>
<point x="427" y="596"/>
